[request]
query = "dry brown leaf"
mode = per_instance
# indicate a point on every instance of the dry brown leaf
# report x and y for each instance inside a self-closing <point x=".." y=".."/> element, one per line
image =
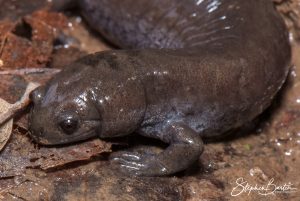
<point x="7" y="112"/>
<point x="6" y="128"/>
<point x="19" y="105"/>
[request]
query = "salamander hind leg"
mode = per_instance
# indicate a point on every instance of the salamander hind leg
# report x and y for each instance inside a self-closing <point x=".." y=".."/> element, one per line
<point x="185" y="147"/>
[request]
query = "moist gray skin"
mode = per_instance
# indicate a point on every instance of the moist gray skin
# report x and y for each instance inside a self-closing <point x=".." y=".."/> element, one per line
<point x="191" y="69"/>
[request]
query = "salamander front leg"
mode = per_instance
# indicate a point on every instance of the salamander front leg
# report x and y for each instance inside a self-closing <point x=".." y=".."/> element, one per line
<point x="185" y="148"/>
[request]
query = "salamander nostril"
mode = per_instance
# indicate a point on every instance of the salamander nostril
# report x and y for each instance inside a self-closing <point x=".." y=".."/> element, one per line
<point x="41" y="132"/>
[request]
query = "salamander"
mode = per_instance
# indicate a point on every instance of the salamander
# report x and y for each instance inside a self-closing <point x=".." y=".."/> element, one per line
<point x="185" y="70"/>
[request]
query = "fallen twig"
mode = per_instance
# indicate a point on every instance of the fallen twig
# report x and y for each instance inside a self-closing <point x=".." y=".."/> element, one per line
<point x="3" y="43"/>
<point x="27" y="71"/>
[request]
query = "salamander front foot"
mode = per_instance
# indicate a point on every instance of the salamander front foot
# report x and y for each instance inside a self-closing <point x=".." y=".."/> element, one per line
<point x="185" y="148"/>
<point x="138" y="164"/>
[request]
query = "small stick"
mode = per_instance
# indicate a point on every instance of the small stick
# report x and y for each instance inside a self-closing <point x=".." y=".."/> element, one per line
<point x="27" y="71"/>
<point x="3" y="43"/>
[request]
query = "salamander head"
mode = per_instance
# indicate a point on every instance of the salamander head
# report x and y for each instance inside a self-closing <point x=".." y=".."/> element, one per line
<point x="63" y="114"/>
<point x="91" y="97"/>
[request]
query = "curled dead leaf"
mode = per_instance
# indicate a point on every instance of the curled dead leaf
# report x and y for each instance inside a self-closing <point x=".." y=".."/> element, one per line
<point x="7" y="112"/>
<point x="6" y="128"/>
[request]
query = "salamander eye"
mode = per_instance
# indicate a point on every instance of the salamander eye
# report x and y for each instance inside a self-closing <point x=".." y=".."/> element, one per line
<point x="69" y="125"/>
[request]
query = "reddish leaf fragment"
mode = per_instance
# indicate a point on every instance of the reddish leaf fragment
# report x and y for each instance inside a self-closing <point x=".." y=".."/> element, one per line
<point x="50" y="158"/>
<point x="30" y="41"/>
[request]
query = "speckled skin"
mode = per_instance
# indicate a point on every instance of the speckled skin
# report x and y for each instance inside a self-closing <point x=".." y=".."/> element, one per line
<point x="193" y="69"/>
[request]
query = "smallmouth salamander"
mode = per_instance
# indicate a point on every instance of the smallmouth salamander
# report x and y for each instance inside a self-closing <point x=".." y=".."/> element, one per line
<point x="190" y="69"/>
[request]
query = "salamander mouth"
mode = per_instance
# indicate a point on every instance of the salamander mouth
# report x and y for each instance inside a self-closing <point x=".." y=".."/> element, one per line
<point x="79" y="137"/>
<point x="64" y="140"/>
<point x="48" y="138"/>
